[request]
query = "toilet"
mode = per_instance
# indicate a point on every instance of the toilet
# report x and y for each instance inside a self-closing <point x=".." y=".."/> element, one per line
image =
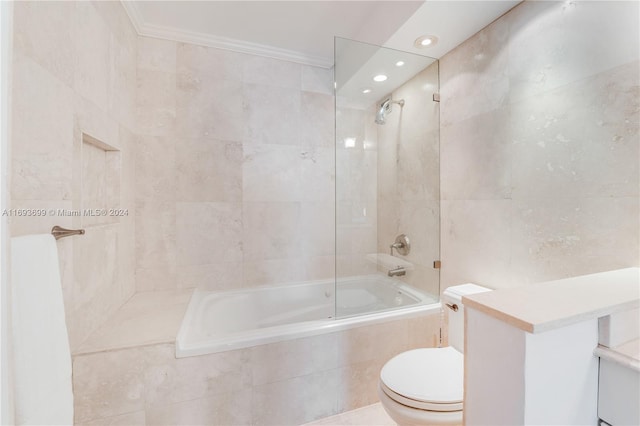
<point x="425" y="386"/>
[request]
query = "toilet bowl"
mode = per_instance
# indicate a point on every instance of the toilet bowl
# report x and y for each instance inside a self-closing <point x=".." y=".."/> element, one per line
<point x="425" y="386"/>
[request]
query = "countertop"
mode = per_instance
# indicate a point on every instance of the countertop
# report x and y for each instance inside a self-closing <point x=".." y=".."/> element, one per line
<point x="549" y="305"/>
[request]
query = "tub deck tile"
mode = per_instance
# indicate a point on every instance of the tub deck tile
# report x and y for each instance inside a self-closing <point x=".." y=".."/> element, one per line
<point x="145" y="319"/>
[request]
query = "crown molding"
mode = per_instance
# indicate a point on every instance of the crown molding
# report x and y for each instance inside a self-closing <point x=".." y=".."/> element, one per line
<point x="209" y="40"/>
<point x="134" y="14"/>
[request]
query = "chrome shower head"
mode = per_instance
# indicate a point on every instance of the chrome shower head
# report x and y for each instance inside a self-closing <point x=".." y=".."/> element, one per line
<point x="380" y="116"/>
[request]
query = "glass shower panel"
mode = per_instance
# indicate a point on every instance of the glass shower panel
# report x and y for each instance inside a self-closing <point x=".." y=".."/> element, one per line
<point x="387" y="178"/>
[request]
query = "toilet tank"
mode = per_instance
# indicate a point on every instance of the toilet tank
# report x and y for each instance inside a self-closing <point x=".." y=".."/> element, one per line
<point x="452" y="298"/>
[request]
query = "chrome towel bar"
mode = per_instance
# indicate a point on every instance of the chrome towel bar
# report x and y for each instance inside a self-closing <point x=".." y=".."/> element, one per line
<point x="60" y="232"/>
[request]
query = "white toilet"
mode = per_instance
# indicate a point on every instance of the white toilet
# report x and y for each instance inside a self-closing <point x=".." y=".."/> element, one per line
<point x="425" y="386"/>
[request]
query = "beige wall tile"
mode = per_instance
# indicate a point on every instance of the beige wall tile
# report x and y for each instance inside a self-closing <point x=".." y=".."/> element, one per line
<point x="157" y="102"/>
<point x="272" y="271"/>
<point x="271" y="173"/>
<point x="358" y="384"/>
<point x="195" y="64"/>
<point x="285" y="360"/>
<point x="157" y="55"/>
<point x="155" y="234"/>
<point x="476" y="243"/>
<point x="129" y="419"/>
<point x="209" y="170"/>
<point x="212" y="276"/>
<point x="211" y="108"/>
<point x="169" y="380"/>
<point x="270" y="230"/>
<point x="580" y="140"/>
<point x="474" y="76"/>
<point x="271" y="114"/>
<point x="232" y="408"/>
<point x="577" y="52"/>
<point x="476" y="157"/>
<point x="93" y="61"/>
<point x="208" y="233"/>
<point x="47" y="34"/>
<point x="296" y="401"/>
<point x="317" y="120"/>
<point x="107" y="384"/>
<point x="272" y="72"/>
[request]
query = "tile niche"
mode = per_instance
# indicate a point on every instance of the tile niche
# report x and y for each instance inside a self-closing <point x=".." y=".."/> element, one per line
<point x="100" y="185"/>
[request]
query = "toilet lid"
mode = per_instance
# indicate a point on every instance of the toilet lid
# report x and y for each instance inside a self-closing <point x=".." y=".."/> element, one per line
<point x="429" y="378"/>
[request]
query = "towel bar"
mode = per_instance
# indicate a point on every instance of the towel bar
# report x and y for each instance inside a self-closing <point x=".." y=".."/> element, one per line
<point x="60" y="232"/>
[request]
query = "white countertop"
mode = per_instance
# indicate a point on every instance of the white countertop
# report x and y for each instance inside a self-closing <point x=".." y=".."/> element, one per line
<point x="549" y="305"/>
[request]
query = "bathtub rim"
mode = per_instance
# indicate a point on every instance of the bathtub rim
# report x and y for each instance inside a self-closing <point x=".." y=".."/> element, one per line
<point x="286" y="332"/>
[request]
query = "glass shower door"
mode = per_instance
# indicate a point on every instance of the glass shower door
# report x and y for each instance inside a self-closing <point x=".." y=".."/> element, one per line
<point x="387" y="178"/>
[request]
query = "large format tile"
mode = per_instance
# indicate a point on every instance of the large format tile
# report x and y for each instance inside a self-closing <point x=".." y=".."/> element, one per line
<point x="208" y="233"/>
<point x="296" y="401"/>
<point x="157" y="55"/>
<point x="271" y="173"/>
<point x="474" y="76"/>
<point x="270" y="230"/>
<point x="211" y="108"/>
<point x="130" y="419"/>
<point x="199" y="63"/>
<point x="476" y="157"/>
<point x="209" y="170"/>
<point x="169" y="380"/>
<point x="553" y="43"/>
<point x="231" y="408"/>
<point x="44" y="34"/>
<point x="289" y="359"/>
<point x="476" y="242"/>
<point x="271" y="114"/>
<point x="580" y="140"/>
<point x="157" y="102"/>
<point x="108" y="384"/>
<point x="92" y="66"/>
<point x="560" y="238"/>
<point x="41" y="154"/>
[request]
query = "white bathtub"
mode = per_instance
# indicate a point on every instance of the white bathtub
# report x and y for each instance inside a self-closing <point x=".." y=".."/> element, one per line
<point x="221" y="321"/>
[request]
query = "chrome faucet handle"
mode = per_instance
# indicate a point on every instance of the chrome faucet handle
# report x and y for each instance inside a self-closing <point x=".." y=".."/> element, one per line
<point x="395" y="246"/>
<point x="402" y="244"/>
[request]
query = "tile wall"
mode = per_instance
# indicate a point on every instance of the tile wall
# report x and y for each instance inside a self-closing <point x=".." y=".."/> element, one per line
<point x="235" y="169"/>
<point x="285" y="383"/>
<point x="74" y="73"/>
<point x="540" y="145"/>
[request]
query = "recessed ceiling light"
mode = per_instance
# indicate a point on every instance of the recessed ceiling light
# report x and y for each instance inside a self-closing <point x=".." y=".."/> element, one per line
<point x="399" y="63"/>
<point x="366" y="90"/>
<point x="425" y="41"/>
<point x="379" y="78"/>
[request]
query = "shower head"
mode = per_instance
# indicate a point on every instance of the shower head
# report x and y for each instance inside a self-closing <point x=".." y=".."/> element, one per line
<point x="380" y="116"/>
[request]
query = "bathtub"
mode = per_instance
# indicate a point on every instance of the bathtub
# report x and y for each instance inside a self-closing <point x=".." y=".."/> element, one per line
<point x="222" y="321"/>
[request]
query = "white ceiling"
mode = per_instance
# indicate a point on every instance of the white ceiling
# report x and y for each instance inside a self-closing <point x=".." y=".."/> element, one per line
<point x="303" y="31"/>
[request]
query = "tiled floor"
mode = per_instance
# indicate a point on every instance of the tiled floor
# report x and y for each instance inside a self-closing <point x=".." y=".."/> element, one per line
<point x="371" y="415"/>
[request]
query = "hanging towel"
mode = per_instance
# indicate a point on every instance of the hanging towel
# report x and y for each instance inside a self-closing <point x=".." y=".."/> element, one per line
<point x="41" y="355"/>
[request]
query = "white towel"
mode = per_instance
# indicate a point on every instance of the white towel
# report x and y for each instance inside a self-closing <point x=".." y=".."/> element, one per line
<point x="41" y="355"/>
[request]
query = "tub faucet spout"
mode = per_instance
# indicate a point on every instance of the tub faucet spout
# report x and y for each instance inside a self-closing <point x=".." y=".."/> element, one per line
<point x="397" y="272"/>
